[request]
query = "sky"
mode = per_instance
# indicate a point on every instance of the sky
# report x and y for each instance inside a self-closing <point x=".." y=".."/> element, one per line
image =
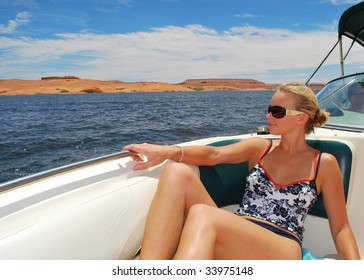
<point x="171" y="40"/>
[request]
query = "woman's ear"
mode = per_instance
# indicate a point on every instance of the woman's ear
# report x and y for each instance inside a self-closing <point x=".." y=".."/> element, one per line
<point x="302" y="119"/>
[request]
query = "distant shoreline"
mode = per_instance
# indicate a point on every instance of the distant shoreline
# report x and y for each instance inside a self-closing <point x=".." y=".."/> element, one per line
<point x="75" y="85"/>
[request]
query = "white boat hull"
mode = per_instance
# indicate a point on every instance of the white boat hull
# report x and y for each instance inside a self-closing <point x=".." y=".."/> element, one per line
<point x="77" y="216"/>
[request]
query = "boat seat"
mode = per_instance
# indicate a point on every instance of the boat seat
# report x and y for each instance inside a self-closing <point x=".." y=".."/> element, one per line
<point x="226" y="182"/>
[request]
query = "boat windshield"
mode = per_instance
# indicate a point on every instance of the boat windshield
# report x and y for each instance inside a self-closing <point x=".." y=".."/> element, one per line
<point x="343" y="98"/>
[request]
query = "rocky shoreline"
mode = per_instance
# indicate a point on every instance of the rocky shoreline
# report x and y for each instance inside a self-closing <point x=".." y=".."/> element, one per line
<point x="75" y="85"/>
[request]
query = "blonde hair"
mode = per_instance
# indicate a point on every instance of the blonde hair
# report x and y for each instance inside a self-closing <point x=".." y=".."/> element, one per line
<point x="306" y="102"/>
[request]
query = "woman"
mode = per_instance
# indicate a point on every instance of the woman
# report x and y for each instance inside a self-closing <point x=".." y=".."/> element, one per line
<point x="286" y="174"/>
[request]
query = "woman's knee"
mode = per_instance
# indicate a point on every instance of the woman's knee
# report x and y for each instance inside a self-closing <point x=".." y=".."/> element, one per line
<point x="181" y="169"/>
<point x="176" y="174"/>
<point x="175" y="178"/>
<point x="201" y="215"/>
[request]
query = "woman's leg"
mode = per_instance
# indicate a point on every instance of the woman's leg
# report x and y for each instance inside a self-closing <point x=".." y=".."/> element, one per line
<point x="178" y="189"/>
<point x="212" y="233"/>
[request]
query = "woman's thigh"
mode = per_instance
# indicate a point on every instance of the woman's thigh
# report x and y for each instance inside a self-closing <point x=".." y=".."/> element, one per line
<point x="238" y="238"/>
<point x="180" y="182"/>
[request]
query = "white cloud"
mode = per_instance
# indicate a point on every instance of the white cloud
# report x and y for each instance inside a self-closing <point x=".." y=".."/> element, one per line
<point x="343" y="2"/>
<point x="20" y="19"/>
<point x="170" y="54"/>
<point x="124" y="2"/>
<point x="247" y="15"/>
<point x="330" y="27"/>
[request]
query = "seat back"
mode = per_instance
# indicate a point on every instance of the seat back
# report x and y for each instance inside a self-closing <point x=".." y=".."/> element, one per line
<point x="226" y="182"/>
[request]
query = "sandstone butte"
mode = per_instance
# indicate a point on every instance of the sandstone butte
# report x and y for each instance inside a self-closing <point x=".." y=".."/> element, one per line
<point x="72" y="85"/>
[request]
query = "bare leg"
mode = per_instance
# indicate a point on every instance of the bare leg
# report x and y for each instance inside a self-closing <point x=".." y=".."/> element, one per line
<point x="178" y="189"/>
<point x="212" y="233"/>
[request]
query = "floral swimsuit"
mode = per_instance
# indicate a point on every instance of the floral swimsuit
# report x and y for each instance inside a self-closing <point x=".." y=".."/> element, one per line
<point x="284" y="206"/>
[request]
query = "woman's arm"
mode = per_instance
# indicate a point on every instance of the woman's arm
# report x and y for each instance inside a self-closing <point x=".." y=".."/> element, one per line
<point x="333" y="195"/>
<point x="247" y="150"/>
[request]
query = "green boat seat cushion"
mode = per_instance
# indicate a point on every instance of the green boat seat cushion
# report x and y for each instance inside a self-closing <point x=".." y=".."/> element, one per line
<point x="226" y="182"/>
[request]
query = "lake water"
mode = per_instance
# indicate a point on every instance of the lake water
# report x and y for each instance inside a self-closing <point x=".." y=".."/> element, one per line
<point x="40" y="132"/>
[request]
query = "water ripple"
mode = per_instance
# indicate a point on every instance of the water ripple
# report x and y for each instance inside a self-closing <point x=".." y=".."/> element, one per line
<point x="45" y="131"/>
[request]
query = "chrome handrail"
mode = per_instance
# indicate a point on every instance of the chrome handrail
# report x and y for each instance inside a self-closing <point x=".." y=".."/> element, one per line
<point x="62" y="169"/>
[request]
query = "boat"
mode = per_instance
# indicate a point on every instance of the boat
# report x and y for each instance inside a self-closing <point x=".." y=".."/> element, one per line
<point x="96" y="209"/>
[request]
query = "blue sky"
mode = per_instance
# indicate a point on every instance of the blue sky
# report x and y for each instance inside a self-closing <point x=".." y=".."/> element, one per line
<point x="170" y="40"/>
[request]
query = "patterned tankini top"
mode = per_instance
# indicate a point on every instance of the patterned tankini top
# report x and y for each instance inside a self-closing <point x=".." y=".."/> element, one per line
<point x="285" y="206"/>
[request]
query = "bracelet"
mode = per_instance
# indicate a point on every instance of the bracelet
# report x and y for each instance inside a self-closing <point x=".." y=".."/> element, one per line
<point x="182" y="153"/>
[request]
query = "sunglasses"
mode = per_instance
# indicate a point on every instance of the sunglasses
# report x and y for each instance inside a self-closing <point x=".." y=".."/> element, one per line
<point x="279" y="112"/>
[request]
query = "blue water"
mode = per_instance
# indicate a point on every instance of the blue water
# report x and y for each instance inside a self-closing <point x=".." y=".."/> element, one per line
<point x="40" y="132"/>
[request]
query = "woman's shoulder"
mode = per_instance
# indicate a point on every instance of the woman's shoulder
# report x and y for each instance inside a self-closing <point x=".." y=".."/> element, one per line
<point x="254" y="147"/>
<point x="328" y="160"/>
<point x="328" y="164"/>
<point x="257" y="142"/>
<point x="329" y="172"/>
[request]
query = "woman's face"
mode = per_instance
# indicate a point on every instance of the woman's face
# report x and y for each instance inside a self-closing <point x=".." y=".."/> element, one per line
<point x="283" y="125"/>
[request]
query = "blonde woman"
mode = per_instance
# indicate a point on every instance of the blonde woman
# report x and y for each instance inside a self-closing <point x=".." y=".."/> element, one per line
<point x="286" y="174"/>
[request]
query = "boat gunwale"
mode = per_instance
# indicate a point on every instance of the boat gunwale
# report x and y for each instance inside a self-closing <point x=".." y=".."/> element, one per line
<point x="22" y="181"/>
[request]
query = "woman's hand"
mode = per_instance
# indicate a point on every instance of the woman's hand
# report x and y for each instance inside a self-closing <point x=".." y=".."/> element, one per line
<point x="155" y="154"/>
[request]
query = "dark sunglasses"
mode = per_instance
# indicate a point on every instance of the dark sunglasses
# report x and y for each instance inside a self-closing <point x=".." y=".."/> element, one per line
<point x="279" y="112"/>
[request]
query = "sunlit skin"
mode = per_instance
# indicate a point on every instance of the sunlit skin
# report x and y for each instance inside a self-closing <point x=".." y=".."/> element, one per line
<point x="185" y="223"/>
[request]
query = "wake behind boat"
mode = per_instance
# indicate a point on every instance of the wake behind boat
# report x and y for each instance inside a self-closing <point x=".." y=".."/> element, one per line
<point x="96" y="209"/>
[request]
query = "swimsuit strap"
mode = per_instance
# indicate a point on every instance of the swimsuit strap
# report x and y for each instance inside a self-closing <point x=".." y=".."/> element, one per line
<point x="267" y="149"/>
<point x="317" y="162"/>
